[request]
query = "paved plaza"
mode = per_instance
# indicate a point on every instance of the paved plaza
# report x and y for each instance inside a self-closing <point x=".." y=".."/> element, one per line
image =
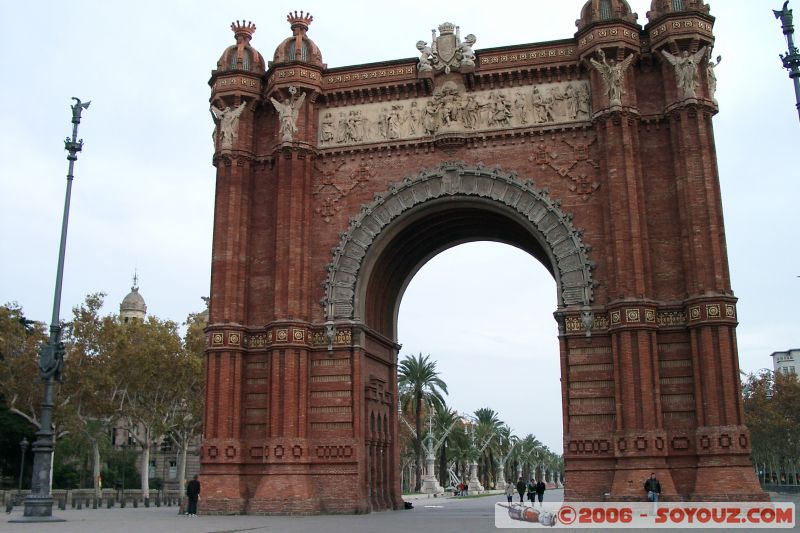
<point x="435" y="515"/>
<point x="439" y="515"/>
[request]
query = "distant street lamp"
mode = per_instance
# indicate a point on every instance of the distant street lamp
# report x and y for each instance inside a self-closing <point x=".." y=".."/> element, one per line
<point x="791" y="60"/>
<point x="39" y="503"/>
<point x="23" y="447"/>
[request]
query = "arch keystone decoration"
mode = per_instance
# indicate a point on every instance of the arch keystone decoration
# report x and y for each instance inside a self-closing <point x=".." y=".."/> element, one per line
<point x="455" y="179"/>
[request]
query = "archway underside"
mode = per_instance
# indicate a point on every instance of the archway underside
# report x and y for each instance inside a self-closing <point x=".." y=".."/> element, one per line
<point x="443" y="226"/>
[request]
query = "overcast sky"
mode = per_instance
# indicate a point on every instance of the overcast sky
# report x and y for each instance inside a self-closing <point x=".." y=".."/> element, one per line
<point x="144" y="188"/>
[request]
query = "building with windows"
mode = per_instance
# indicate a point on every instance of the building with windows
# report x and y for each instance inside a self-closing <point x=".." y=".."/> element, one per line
<point x="786" y="362"/>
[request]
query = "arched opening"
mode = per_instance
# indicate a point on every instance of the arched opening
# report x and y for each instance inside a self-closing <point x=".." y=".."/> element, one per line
<point x="416" y="220"/>
<point x="495" y="344"/>
<point x="439" y="225"/>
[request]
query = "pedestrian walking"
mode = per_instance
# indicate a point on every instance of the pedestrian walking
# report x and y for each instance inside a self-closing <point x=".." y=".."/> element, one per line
<point x="540" y="488"/>
<point x="510" y="492"/>
<point x="521" y="489"/>
<point x="531" y="491"/>
<point x="193" y="493"/>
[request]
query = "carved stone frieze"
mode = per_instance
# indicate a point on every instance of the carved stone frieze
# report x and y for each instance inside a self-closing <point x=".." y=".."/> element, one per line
<point x="573" y="267"/>
<point x="452" y="109"/>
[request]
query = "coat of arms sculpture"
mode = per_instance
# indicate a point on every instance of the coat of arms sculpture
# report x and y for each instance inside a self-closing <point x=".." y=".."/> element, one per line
<point x="447" y="52"/>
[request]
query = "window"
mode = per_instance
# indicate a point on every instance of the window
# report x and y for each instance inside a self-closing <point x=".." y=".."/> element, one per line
<point x="303" y="52"/>
<point x="248" y="55"/>
<point x="173" y="469"/>
<point x="677" y="5"/>
<point x="605" y="9"/>
<point x="151" y="471"/>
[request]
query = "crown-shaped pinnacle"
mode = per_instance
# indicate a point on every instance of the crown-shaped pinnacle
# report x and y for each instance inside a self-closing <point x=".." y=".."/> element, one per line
<point x="302" y="19"/>
<point x="447" y="28"/>
<point x="244" y="29"/>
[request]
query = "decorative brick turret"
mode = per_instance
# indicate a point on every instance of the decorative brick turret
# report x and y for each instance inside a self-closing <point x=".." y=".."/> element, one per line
<point x="298" y="47"/>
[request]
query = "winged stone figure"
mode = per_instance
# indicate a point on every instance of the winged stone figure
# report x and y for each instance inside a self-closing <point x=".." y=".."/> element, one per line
<point x="227" y="120"/>
<point x="288" y="110"/>
<point x="686" y="73"/>
<point x="712" y="76"/>
<point x="613" y="75"/>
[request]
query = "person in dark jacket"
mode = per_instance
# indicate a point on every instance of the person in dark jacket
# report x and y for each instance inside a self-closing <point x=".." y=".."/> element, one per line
<point x="532" y="491"/>
<point x="521" y="486"/>
<point x="193" y="493"/>
<point x="540" y="488"/>
<point x="653" y="488"/>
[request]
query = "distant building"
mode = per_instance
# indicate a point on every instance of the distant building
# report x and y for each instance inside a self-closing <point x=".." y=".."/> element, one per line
<point x="786" y="362"/>
<point x="133" y="306"/>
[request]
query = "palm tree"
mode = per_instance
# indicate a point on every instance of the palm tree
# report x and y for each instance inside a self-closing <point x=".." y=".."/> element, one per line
<point x="488" y="426"/>
<point x="531" y="453"/>
<point x="502" y="445"/>
<point x="443" y="419"/>
<point x="419" y="382"/>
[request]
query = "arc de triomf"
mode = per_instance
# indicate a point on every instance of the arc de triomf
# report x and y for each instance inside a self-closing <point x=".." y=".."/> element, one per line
<point x="595" y="154"/>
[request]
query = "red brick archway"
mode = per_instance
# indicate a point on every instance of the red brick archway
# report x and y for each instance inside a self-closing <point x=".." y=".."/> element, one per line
<point x="324" y="215"/>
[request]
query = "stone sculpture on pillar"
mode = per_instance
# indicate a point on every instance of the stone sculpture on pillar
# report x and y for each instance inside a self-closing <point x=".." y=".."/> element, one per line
<point x="712" y="76"/>
<point x="613" y="75"/>
<point x="424" y="64"/>
<point x="686" y="73"/>
<point x="287" y="113"/>
<point x="227" y="121"/>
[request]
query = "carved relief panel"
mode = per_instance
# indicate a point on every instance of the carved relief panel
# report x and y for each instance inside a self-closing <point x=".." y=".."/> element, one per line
<point x="453" y="109"/>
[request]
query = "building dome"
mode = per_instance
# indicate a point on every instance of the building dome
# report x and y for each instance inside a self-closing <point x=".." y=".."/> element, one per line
<point x="298" y="47"/>
<point x="605" y="10"/>
<point x="242" y="56"/>
<point x="133" y="306"/>
<point x="659" y="8"/>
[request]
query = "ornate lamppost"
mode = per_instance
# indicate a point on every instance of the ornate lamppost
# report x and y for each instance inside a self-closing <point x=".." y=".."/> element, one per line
<point x="791" y="60"/>
<point x="39" y="503"/>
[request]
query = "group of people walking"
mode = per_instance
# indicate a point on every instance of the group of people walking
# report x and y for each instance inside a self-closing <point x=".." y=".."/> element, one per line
<point x="534" y="489"/>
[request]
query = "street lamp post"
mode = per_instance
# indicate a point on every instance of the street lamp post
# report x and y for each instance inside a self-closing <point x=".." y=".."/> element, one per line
<point x="23" y="447"/>
<point x="39" y="503"/>
<point x="791" y="60"/>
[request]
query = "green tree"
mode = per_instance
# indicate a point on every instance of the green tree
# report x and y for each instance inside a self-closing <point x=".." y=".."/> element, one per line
<point x="188" y="401"/>
<point x="20" y="385"/>
<point x="772" y="414"/>
<point x="91" y="342"/>
<point x="443" y="420"/>
<point x="419" y="382"/>
<point x="487" y="428"/>
<point x="144" y="367"/>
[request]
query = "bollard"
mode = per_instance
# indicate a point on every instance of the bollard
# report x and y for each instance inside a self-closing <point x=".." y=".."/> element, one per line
<point x="74" y="503"/>
<point x="80" y="503"/>
<point x="135" y="503"/>
<point x="110" y="502"/>
<point x="147" y="502"/>
<point x="122" y="503"/>
<point x="158" y="500"/>
<point x="94" y="502"/>
<point x="62" y="504"/>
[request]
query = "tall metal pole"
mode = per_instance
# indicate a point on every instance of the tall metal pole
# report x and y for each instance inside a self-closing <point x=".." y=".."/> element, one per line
<point x="23" y="447"/>
<point x="791" y="60"/>
<point x="39" y="503"/>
